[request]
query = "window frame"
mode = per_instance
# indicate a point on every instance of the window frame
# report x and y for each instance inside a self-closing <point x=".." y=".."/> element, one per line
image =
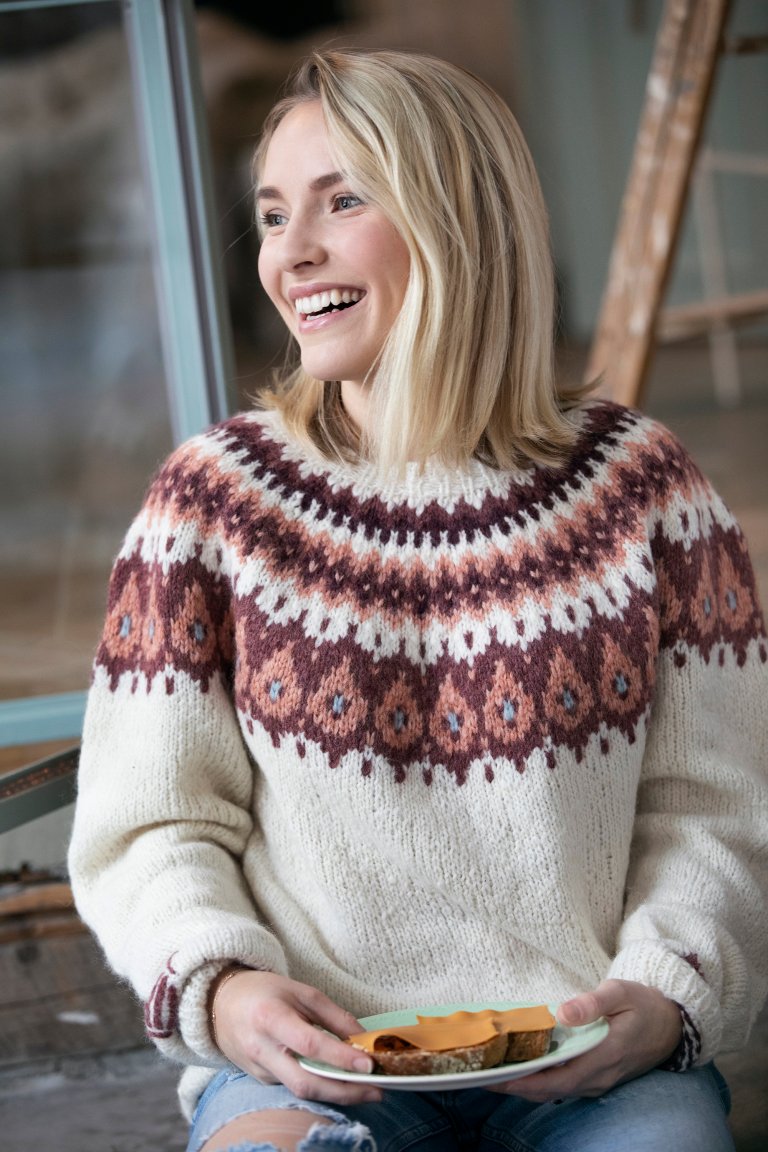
<point x="195" y="326"/>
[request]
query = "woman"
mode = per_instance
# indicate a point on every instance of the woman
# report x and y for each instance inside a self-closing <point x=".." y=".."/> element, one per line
<point x="427" y="682"/>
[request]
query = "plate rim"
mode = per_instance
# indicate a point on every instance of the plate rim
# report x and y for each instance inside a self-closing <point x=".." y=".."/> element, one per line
<point x="594" y="1033"/>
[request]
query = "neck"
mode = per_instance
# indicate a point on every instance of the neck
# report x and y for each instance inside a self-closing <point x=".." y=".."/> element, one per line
<point x="356" y="399"/>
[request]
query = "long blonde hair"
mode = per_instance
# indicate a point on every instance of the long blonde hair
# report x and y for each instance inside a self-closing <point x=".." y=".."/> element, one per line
<point x="467" y="370"/>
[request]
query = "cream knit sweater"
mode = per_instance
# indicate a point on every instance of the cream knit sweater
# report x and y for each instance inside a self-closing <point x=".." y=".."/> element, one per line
<point x="471" y="735"/>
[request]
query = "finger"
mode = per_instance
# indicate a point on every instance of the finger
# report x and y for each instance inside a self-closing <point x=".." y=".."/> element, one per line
<point x="315" y="1044"/>
<point x="280" y="1026"/>
<point x="322" y="1010"/>
<point x="555" y="1085"/>
<point x="587" y="1075"/>
<point x="270" y="1063"/>
<point x="259" y="1072"/>
<point x="538" y="1087"/>
<point x="303" y="1037"/>
<point x="306" y="1086"/>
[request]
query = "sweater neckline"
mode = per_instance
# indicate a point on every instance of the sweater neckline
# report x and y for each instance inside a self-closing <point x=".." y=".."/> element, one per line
<point x="418" y="486"/>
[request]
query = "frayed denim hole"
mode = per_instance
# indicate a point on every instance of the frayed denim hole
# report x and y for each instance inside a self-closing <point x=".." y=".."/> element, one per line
<point x="315" y="1108"/>
<point x="347" y="1136"/>
<point x="248" y="1147"/>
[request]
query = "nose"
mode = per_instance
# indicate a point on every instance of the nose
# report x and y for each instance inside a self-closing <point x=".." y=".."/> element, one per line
<point x="300" y="243"/>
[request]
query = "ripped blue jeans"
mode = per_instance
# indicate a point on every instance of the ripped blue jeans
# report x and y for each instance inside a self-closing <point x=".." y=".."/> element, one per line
<point x="686" y="1111"/>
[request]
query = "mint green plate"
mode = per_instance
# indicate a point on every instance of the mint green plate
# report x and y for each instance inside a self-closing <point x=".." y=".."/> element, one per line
<point x="566" y="1043"/>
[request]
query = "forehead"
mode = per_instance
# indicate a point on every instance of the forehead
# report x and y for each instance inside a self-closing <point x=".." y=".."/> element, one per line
<point x="299" y="145"/>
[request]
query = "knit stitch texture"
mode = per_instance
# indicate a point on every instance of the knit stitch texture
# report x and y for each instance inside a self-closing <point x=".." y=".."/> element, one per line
<point x="465" y="735"/>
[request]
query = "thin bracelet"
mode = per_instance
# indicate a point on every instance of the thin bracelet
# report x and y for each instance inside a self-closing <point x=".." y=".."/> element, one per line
<point x="222" y="980"/>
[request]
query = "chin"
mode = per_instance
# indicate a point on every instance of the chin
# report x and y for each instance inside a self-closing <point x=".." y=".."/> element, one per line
<point x="328" y="370"/>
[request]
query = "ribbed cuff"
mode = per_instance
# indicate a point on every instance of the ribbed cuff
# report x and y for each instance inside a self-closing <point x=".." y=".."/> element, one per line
<point x="654" y="964"/>
<point x="176" y="1012"/>
<point x="688" y="1049"/>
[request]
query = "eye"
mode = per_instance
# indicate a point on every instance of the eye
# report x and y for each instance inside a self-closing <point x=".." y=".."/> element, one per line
<point x="273" y="220"/>
<point x="345" y="201"/>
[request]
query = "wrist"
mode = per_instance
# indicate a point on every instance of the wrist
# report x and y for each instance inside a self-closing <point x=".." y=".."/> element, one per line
<point x="218" y="982"/>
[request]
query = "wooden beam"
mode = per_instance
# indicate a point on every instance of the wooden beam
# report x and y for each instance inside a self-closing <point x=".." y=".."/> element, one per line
<point x="686" y="320"/>
<point x="676" y="99"/>
<point x="744" y="45"/>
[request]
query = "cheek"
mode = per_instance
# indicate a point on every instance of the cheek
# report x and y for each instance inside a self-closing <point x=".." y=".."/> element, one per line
<point x="268" y="273"/>
<point x="395" y="259"/>
<point x="263" y="266"/>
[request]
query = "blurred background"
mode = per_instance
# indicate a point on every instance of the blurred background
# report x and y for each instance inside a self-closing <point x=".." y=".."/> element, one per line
<point x="89" y="408"/>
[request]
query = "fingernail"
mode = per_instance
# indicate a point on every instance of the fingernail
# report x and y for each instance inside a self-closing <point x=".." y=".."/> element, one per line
<point x="362" y="1065"/>
<point x="573" y="1010"/>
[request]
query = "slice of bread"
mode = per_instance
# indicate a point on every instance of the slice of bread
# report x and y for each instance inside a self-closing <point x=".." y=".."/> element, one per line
<point x="527" y="1045"/>
<point x="400" y="1059"/>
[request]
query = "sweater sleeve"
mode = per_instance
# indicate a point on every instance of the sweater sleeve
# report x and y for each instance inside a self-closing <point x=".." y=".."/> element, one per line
<point x="695" y="918"/>
<point x="165" y="782"/>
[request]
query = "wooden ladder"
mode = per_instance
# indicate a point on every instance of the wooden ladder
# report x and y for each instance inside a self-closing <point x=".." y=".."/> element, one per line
<point x="689" y="43"/>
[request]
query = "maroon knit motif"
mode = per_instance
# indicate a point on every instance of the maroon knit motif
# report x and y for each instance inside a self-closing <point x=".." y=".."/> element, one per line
<point x="579" y="669"/>
<point x="161" y="1011"/>
<point x="155" y="619"/>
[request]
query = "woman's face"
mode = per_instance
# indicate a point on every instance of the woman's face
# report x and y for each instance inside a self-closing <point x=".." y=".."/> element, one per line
<point x="334" y="267"/>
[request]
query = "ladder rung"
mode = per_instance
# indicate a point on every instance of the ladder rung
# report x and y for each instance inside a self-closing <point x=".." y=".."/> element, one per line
<point x="744" y="45"/>
<point x="686" y="320"/>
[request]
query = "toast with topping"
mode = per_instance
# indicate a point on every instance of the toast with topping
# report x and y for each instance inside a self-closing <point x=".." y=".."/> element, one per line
<point x="461" y="1042"/>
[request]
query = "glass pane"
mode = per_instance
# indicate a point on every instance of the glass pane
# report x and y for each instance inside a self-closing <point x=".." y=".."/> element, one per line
<point x="85" y="416"/>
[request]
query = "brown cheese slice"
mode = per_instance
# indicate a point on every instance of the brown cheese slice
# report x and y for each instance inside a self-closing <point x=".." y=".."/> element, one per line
<point x="460" y="1029"/>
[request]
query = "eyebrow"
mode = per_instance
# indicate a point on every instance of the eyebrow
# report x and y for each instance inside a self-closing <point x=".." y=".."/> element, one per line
<point x="319" y="184"/>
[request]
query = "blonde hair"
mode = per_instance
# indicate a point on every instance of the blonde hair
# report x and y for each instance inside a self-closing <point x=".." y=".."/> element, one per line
<point x="467" y="370"/>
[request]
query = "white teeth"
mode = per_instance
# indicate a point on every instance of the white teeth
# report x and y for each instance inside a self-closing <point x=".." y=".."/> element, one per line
<point x="305" y="305"/>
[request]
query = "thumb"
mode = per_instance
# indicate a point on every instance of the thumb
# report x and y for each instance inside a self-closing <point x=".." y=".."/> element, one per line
<point x="577" y="1011"/>
<point x="606" y="1000"/>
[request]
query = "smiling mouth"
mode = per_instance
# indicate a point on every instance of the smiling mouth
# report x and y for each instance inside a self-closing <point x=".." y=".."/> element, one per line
<point x="322" y="303"/>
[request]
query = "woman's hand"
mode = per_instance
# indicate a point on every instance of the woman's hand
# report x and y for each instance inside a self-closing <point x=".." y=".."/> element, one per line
<point x="263" y="1020"/>
<point x="644" y="1030"/>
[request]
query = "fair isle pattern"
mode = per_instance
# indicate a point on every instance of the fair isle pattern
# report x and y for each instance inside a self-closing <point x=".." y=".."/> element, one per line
<point x="513" y="615"/>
